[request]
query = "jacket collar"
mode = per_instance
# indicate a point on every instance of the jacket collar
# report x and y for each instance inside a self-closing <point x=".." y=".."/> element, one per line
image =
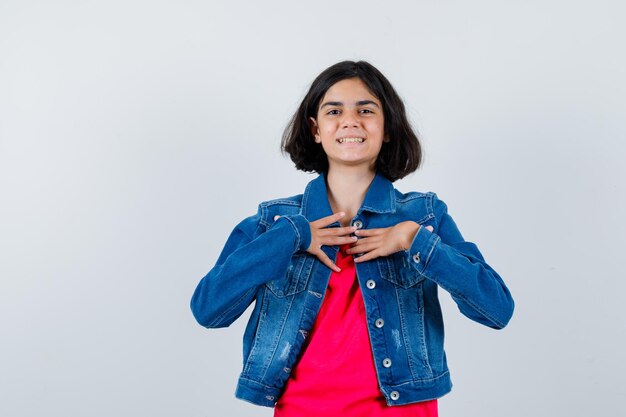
<point x="378" y="199"/>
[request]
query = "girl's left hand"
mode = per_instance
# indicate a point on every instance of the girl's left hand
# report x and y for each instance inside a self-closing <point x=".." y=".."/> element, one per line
<point x="384" y="241"/>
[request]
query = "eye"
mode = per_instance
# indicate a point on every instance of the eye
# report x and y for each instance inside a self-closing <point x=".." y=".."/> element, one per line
<point x="333" y="112"/>
<point x="366" y="111"/>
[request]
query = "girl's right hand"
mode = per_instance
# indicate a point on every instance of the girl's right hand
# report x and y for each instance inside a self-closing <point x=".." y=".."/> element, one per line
<point x="335" y="236"/>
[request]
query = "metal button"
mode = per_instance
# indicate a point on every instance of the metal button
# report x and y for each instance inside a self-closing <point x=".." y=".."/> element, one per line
<point x="371" y="284"/>
<point x="386" y="362"/>
<point x="394" y="395"/>
<point x="416" y="258"/>
<point x="358" y="224"/>
<point x="379" y="323"/>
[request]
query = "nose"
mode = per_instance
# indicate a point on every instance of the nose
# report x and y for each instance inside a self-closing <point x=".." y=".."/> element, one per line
<point x="349" y="120"/>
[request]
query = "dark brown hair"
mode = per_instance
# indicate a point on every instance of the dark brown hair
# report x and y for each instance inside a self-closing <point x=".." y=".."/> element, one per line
<point x="398" y="157"/>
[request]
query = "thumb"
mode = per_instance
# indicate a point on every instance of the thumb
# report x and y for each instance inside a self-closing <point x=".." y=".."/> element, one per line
<point x="429" y="228"/>
<point x="276" y="217"/>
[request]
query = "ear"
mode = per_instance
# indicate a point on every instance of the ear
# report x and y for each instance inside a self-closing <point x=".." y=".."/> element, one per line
<point x="315" y="130"/>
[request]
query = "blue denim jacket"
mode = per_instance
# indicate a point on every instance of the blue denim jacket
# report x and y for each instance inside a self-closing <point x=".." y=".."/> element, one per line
<point x="266" y="261"/>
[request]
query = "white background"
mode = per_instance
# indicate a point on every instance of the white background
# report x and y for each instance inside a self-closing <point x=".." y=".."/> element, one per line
<point x="134" y="135"/>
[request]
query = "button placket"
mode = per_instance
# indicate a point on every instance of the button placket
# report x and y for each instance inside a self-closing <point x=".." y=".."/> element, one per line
<point x="358" y="224"/>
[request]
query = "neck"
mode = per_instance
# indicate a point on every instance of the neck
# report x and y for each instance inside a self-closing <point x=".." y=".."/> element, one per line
<point x="346" y="190"/>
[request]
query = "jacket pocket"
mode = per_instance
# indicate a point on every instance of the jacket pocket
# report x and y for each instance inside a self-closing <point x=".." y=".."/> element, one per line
<point x="395" y="268"/>
<point x="296" y="277"/>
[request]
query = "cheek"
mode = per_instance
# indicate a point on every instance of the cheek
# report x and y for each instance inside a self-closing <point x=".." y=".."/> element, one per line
<point x="327" y="134"/>
<point x="376" y="125"/>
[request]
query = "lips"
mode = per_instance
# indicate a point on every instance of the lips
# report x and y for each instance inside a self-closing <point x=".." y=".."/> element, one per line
<point x="351" y="140"/>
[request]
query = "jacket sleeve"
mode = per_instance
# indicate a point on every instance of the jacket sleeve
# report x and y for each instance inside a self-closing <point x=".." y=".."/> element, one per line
<point x="458" y="267"/>
<point x="251" y="257"/>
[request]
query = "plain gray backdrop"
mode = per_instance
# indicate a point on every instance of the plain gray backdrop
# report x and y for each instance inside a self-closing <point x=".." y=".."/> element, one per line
<point x="134" y="135"/>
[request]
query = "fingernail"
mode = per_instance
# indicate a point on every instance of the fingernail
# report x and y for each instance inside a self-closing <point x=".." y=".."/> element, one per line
<point x="354" y="238"/>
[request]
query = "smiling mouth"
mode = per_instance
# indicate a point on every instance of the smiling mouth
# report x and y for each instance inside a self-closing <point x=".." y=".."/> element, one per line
<point x="351" y="140"/>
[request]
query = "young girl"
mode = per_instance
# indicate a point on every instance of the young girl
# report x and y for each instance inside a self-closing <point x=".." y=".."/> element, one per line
<point x="345" y="276"/>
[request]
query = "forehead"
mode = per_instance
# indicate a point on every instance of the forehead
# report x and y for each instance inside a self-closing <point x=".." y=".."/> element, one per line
<point x="349" y="91"/>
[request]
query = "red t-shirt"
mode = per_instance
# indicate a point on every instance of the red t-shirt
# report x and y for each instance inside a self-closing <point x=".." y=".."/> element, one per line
<point x="336" y="373"/>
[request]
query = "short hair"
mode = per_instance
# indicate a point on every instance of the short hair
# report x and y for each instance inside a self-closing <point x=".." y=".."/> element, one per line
<point x="398" y="157"/>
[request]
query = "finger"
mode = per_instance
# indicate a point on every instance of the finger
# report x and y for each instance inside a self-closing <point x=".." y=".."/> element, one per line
<point x="337" y="231"/>
<point x="429" y="228"/>
<point x="370" y="239"/>
<point x="276" y="217"/>
<point x="367" y="257"/>
<point x="328" y="220"/>
<point x="326" y="261"/>
<point x="369" y="232"/>
<point x="363" y="248"/>
<point x="338" y="240"/>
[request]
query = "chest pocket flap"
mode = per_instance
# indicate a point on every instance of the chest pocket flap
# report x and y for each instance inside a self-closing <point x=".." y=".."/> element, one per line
<point x="396" y="268"/>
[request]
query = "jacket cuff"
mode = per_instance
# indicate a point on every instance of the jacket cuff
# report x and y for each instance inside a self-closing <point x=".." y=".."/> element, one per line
<point x="302" y="228"/>
<point x="422" y="249"/>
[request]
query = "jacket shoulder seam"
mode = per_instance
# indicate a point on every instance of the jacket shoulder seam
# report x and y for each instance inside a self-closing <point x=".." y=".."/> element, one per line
<point x="293" y="201"/>
<point x="413" y="195"/>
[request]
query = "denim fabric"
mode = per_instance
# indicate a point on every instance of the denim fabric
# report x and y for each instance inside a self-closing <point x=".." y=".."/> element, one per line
<point x="266" y="261"/>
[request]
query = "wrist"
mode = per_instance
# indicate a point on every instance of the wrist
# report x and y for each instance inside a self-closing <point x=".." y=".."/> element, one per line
<point x="412" y="228"/>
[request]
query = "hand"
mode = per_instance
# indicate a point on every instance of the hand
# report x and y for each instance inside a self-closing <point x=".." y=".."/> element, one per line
<point x="334" y="236"/>
<point x="384" y="241"/>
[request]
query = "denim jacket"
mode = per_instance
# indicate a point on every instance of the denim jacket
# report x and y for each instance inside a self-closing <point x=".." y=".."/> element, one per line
<point x="265" y="261"/>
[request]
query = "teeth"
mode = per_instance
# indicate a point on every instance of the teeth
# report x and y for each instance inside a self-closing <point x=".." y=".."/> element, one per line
<point x="351" y="140"/>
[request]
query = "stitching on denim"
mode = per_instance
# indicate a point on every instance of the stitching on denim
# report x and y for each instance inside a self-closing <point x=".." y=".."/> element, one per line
<point x="431" y="208"/>
<point x="303" y="265"/>
<point x="385" y="270"/>
<point x="297" y="232"/>
<point x="426" y="262"/>
<point x="413" y="196"/>
<point x="390" y="209"/>
<point x="265" y="205"/>
<point x="263" y="219"/>
<point x="407" y="346"/>
<point x="278" y="337"/>
<point x="373" y="210"/>
<point x="421" y="380"/>
<point x="432" y="248"/>
<point x="425" y="218"/>
<point x="424" y="348"/>
<point x="241" y="378"/>
<point x="280" y="201"/>
<point x="305" y="199"/>
<point x="255" y="341"/>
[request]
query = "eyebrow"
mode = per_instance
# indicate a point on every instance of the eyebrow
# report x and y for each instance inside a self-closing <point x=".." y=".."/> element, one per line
<point x="358" y="103"/>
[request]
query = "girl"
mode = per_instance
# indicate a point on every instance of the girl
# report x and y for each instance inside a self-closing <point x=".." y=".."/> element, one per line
<point x="344" y="276"/>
